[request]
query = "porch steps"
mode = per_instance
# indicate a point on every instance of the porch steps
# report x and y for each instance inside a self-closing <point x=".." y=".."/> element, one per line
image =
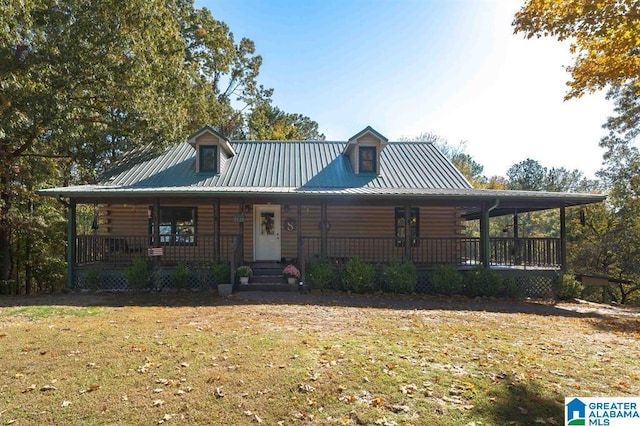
<point x="267" y="276"/>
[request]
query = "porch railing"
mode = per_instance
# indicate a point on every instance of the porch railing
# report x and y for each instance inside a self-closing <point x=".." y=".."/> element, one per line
<point x="531" y="252"/>
<point x="121" y="249"/>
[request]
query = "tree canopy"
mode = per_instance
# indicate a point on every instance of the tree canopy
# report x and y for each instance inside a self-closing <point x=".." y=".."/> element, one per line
<point x="83" y="81"/>
<point x="603" y="37"/>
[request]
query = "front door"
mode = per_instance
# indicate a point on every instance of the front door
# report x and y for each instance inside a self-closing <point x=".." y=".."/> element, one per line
<point x="266" y="232"/>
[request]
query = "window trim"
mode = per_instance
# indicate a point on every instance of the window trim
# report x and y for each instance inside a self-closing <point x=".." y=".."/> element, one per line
<point x="201" y="157"/>
<point x="374" y="159"/>
<point x="172" y="236"/>
<point x="415" y="236"/>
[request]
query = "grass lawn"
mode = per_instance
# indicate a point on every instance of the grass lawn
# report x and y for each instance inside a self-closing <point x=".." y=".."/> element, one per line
<point x="194" y="358"/>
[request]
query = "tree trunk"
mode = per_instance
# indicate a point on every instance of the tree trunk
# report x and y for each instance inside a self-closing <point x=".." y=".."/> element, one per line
<point x="5" y="232"/>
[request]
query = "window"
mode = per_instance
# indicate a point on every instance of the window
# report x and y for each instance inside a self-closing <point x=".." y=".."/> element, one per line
<point x="367" y="159"/>
<point x="414" y="226"/>
<point x="208" y="159"/>
<point x="177" y="225"/>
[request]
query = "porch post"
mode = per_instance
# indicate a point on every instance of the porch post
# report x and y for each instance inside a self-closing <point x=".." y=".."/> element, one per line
<point x="301" y="259"/>
<point x="216" y="229"/>
<point x="323" y="229"/>
<point x="516" y="239"/>
<point x="71" y="244"/>
<point x="484" y="236"/>
<point x="156" y="223"/>
<point x="563" y="239"/>
<point x="407" y="231"/>
<point x="241" y="230"/>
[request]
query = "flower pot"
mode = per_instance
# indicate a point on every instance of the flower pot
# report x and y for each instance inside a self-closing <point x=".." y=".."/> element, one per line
<point x="244" y="280"/>
<point x="224" y="290"/>
<point x="291" y="280"/>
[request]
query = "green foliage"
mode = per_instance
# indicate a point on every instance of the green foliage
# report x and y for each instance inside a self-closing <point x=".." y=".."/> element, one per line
<point x="93" y="277"/>
<point x="568" y="287"/>
<point x="481" y="281"/>
<point x="221" y="272"/>
<point x="358" y="276"/>
<point x="181" y="276"/>
<point x="399" y="277"/>
<point x="138" y="275"/>
<point x="244" y="271"/>
<point x="320" y="274"/>
<point x="447" y="280"/>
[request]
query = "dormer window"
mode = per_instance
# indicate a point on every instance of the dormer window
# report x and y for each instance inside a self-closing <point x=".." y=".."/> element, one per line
<point x="367" y="159"/>
<point x="213" y="151"/>
<point x="363" y="151"/>
<point x="208" y="156"/>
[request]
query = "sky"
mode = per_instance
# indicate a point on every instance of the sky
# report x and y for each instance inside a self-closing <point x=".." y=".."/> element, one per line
<point x="405" y="67"/>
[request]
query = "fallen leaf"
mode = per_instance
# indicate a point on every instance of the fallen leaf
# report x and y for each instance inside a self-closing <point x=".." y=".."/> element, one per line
<point x="219" y="393"/>
<point x="257" y="419"/>
<point x="158" y="390"/>
<point x="184" y="364"/>
<point x="29" y="389"/>
<point x="377" y="401"/>
<point x="157" y="403"/>
<point x="47" y="388"/>
<point x="66" y="404"/>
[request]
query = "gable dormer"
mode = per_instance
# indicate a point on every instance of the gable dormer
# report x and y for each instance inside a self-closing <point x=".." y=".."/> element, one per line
<point x="363" y="151"/>
<point x="212" y="150"/>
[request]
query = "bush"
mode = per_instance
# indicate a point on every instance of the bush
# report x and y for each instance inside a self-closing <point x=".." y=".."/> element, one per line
<point x="481" y="281"/>
<point x="221" y="273"/>
<point x="447" y="280"/>
<point x="569" y="288"/>
<point x="510" y="288"/>
<point x="399" y="277"/>
<point x="138" y="276"/>
<point x="93" y="278"/>
<point x="181" y="276"/>
<point x="358" y="276"/>
<point x="320" y="274"/>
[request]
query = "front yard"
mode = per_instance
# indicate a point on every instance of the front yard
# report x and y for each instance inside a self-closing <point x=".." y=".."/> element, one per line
<point x="331" y="358"/>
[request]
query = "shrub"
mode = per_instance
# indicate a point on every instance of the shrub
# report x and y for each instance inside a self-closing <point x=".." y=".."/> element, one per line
<point x="93" y="278"/>
<point x="510" y="288"/>
<point x="481" y="281"/>
<point x="399" y="277"/>
<point x="569" y="288"/>
<point x="358" y="276"/>
<point x="221" y="273"/>
<point x="138" y="275"/>
<point x="320" y="274"/>
<point x="181" y="276"/>
<point x="447" y="280"/>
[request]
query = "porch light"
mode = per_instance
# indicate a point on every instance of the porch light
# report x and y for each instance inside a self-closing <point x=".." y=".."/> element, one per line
<point x="247" y="208"/>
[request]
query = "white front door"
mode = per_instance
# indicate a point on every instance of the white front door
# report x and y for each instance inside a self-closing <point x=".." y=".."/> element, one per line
<point x="266" y="232"/>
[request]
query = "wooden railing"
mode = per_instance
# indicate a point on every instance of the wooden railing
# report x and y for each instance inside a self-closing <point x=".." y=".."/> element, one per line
<point x="539" y="252"/>
<point x="122" y="249"/>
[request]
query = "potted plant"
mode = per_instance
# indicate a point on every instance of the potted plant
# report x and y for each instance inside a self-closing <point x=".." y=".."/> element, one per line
<point x="244" y="272"/>
<point x="291" y="273"/>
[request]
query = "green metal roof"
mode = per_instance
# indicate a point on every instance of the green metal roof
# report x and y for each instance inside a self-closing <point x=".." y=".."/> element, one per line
<point x="408" y="171"/>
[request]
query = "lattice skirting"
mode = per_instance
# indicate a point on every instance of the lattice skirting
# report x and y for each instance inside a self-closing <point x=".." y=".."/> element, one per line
<point x="537" y="284"/>
<point x="115" y="279"/>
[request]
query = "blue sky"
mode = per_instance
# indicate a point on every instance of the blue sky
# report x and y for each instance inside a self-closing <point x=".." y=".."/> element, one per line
<point x="451" y="67"/>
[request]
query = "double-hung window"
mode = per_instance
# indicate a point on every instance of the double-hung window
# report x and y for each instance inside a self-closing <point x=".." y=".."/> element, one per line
<point x="367" y="161"/>
<point x="208" y="159"/>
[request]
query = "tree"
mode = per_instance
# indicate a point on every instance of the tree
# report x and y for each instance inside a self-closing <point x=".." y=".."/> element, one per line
<point x="82" y="82"/>
<point x="527" y="175"/>
<point x="267" y="122"/>
<point x="470" y="169"/>
<point x="603" y="38"/>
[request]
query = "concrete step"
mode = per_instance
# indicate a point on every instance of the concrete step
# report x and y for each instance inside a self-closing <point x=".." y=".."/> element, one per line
<point x="278" y="286"/>
<point x="256" y="278"/>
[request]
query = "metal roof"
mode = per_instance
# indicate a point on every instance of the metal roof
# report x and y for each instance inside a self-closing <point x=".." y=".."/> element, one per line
<point x="266" y="165"/>
<point x="411" y="171"/>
